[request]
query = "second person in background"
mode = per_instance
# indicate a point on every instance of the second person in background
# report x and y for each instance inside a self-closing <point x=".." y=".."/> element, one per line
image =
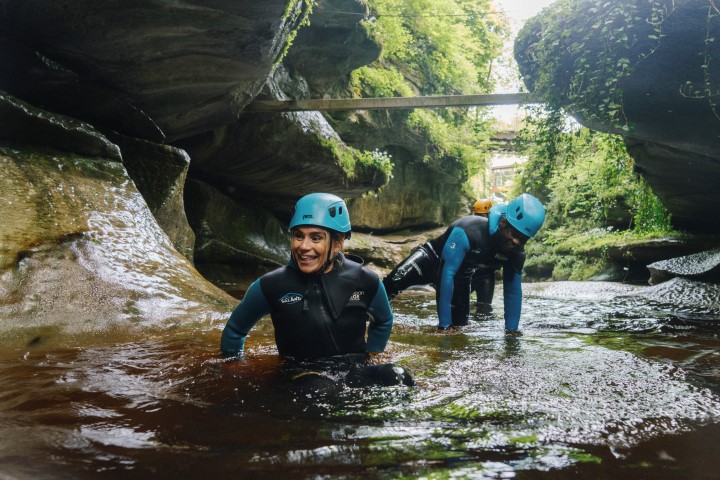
<point x="471" y="242"/>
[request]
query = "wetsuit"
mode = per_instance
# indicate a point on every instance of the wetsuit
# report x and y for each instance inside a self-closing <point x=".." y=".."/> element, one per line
<point x="450" y="260"/>
<point x="483" y="284"/>
<point x="315" y="316"/>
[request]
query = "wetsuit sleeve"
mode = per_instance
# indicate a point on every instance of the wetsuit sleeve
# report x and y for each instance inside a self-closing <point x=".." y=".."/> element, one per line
<point x="453" y="254"/>
<point x="252" y="308"/>
<point x="381" y="321"/>
<point x="512" y="297"/>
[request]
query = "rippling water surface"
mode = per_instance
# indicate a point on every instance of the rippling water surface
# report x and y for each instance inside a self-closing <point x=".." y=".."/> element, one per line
<point x="607" y="381"/>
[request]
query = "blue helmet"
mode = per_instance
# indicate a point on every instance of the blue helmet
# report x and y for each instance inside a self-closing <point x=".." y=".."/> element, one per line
<point x="526" y="214"/>
<point x="494" y="215"/>
<point x="322" y="210"/>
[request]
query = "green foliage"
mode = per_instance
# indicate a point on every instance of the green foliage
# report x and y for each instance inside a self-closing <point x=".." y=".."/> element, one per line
<point x="649" y="214"/>
<point x="593" y="196"/>
<point x="355" y="162"/>
<point x="585" y="178"/>
<point x="436" y="47"/>
<point x="577" y="52"/>
<point x="375" y="160"/>
<point x="449" y="45"/>
<point x="546" y="141"/>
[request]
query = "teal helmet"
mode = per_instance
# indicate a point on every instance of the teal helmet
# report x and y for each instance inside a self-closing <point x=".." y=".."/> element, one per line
<point x="494" y="215"/>
<point x="526" y="214"/>
<point x="322" y="210"/>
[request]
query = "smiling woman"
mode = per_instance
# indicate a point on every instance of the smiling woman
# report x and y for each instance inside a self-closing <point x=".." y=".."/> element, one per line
<point x="321" y="301"/>
<point x="319" y="227"/>
<point x="314" y="248"/>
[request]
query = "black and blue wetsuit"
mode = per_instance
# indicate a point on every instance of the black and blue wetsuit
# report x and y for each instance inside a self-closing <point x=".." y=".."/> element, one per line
<point x="449" y="262"/>
<point x="315" y="316"/>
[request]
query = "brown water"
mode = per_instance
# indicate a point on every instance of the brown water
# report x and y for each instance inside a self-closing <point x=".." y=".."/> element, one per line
<point x="606" y="382"/>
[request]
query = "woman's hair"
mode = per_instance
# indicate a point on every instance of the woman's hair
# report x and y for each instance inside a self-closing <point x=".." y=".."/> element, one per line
<point x="337" y="236"/>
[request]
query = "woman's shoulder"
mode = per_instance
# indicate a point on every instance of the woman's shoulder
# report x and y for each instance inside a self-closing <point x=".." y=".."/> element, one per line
<point x="278" y="273"/>
<point x="355" y="261"/>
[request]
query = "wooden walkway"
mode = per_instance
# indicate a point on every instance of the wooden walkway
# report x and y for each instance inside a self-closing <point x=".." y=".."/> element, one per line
<point x="388" y="103"/>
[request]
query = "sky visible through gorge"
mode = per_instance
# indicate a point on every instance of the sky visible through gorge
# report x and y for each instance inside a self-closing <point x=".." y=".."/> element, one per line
<point x="518" y="12"/>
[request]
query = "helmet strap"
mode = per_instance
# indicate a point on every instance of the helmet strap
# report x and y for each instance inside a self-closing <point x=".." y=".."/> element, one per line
<point x="329" y="255"/>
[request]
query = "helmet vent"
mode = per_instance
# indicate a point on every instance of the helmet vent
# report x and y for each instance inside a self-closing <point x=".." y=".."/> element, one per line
<point x="519" y="216"/>
<point x="332" y="212"/>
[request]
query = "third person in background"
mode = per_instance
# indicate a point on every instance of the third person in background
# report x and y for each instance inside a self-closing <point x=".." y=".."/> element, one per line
<point x="483" y="280"/>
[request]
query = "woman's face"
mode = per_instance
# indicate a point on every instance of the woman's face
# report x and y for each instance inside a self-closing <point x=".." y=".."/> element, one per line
<point x="309" y="246"/>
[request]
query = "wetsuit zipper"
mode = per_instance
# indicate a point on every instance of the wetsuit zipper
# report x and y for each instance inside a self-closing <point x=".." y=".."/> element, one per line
<point x="327" y="321"/>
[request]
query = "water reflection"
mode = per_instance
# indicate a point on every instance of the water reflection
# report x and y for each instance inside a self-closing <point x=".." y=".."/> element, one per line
<point x="596" y="386"/>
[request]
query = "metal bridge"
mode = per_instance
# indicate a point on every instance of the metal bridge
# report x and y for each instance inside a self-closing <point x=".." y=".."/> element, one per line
<point x="388" y="103"/>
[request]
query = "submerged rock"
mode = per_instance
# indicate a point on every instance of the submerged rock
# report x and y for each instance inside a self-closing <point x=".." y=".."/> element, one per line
<point x="702" y="266"/>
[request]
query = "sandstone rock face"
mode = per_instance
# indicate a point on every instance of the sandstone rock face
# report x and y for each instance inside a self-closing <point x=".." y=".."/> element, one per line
<point x="664" y="55"/>
<point x="325" y="68"/>
<point x="116" y="118"/>
<point x="190" y="65"/>
<point x="232" y="234"/>
<point x="426" y="188"/>
<point x="20" y="122"/>
<point x="700" y="266"/>
<point x="278" y="158"/>
<point x="81" y="254"/>
<point x="159" y="173"/>
<point x="163" y="71"/>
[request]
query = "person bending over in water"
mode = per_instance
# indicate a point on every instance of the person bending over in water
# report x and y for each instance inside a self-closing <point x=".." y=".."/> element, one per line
<point x="320" y="302"/>
<point x="471" y="243"/>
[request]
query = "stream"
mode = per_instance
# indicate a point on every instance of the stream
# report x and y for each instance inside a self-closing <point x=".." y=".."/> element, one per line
<point x="606" y="381"/>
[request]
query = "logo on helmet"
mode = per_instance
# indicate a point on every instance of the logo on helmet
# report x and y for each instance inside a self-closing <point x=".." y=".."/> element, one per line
<point x="306" y="216"/>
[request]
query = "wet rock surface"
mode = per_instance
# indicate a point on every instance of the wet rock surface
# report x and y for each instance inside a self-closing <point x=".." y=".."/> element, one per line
<point x="81" y="254"/>
<point x="702" y="266"/>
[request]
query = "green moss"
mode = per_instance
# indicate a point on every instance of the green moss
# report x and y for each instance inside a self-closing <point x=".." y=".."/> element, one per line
<point x="523" y="440"/>
<point x="358" y="163"/>
<point x="581" y="457"/>
<point x="293" y="12"/>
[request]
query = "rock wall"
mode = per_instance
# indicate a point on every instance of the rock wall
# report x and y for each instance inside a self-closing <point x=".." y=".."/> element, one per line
<point x="648" y="71"/>
<point x="81" y="254"/>
<point x="125" y="154"/>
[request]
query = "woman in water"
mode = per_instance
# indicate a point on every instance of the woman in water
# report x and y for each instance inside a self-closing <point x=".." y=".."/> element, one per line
<point x="322" y="301"/>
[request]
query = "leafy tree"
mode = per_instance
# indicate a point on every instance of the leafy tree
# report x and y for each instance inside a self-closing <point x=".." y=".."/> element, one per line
<point x="436" y="47"/>
<point x="586" y="178"/>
